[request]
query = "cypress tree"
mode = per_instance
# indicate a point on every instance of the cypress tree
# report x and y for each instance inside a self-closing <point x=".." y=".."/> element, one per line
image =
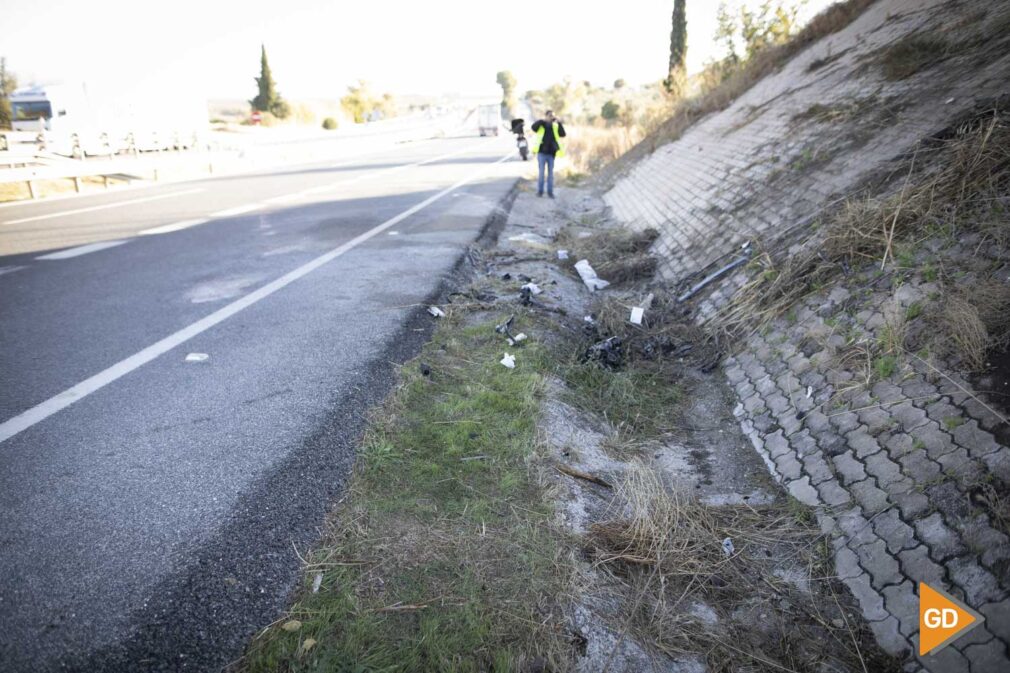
<point x="268" y="100"/>
<point x="676" y="73"/>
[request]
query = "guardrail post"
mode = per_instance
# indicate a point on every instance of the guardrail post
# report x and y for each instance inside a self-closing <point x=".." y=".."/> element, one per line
<point x="105" y="181"/>
<point x="77" y="184"/>
<point x="31" y="189"/>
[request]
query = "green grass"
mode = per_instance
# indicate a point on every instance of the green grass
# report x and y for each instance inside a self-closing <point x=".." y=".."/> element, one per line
<point x="638" y="399"/>
<point x="445" y="517"/>
<point x="884" y="366"/>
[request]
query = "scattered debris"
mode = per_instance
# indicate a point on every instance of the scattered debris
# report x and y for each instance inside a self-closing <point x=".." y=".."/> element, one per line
<point x="637" y="313"/>
<point x="317" y="582"/>
<point x="532" y="240"/>
<point x="608" y="352"/>
<point x="425" y="369"/>
<point x="517" y="338"/>
<point x="505" y="327"/>
<point x="727" y="547"/>
<point x="197" y="357"/>
<point x="509" y="361"/>
<point x="506" y="276"/>
<point x="533" y="288"/>
<point x="562" y="254"/>
<point x="291" y="625"/>
<point x="589" y="277"/>
<point x="436" y="311"/>
<point x="579" y="474"/>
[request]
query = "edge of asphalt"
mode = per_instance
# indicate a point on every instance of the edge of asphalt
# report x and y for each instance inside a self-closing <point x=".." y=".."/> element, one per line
<point x="203" y="623"/>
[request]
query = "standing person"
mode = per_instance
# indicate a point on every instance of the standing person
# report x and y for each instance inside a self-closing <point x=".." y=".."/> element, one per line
<point x="547" y="146"/>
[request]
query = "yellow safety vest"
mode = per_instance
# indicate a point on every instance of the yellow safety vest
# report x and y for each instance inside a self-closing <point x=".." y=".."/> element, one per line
<point x="540" y="138"/>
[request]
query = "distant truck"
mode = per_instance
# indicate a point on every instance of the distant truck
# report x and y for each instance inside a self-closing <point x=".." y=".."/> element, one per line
<point x="66" y="121"/>
<point x="489" y="119"/>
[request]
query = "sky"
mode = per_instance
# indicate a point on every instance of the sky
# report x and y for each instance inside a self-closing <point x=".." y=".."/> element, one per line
<point x="317" y="47"/>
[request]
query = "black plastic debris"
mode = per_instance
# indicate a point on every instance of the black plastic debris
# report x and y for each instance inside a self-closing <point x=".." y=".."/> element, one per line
<point x="506" y="276"/>
<point x="523" y="278"/>
<point x="505" y="327"/>
<point x="425" y="369"/>
<point x="525" y="295"/>
<point x="608" y="352"/>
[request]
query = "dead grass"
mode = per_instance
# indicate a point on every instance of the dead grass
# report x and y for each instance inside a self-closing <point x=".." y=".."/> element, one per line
<point x="775" y="602"/>
<point x="617" y="254"/>
<point x="911" y="55"/>
<point x="719" y="96"/>
<point x="589" y="148"/>
<point x="971" y="323"/>
<point x="953" y="185"/>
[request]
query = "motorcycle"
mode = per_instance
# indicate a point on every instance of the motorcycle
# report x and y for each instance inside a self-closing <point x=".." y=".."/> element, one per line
<point x="521" y="142"/>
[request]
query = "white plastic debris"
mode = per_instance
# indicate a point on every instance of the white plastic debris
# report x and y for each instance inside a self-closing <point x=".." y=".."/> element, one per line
<point x="589" y="277"/>
<point x="436" y="311"/>
<point x="647" y="302"/>
<point x="197" y="357"/>
<point x="562" y="254"/>
<point x="533" y="288"/>
<point x="585" y="234"/>
<point x="531" y="239"/>
<point x="810" y="391"/>
<point x="727" y="547"/>
<point x="517" y="338"/>
<point x="509" y="361"/>
<point x="637" y="313"/>
<point x="317" y="581"/>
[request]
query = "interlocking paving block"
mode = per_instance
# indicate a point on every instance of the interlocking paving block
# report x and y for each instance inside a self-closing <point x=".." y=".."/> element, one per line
<point x="909" y="416"/>
<point x="998" y="464"/>
<point x="882" y="567"/>
<point x="803" y="491"/>
<point x="871" y="498"/>
<point x="847" y="564"/>
<point x="888" y="636"/>
<point x="887" y="392"/>
<point x="876" y="420"/>
<point x="990" y="657"/>
<point x="947" y="660"/>
<point x="978" y="584"/>
<point x="978" y="442"/>
<point x="861" y="443"/>
<point x="833" y="494"/>
<point x="856" y="527"/>
<point x="817" y="468"/>
<point x="901" y="601"/>
<point x="895" y="533"/>
<point x="943" y="543"/>
<point x="941" y="410"/>
<point x="959" y="465"/>
<point x="997" y="618"/>
<point x="816" y="421"/>
<point x="844" y="421"/>
<point x="870" y="600"/>
<point x="917" y="566"/>
<point x="898" y="444"/>
<point x="788" y="466"/>
<point x="918" y="467"/>
<point x="849" y="470"/>
<point x="935" y="441"/>
<point x="883" y="468"/>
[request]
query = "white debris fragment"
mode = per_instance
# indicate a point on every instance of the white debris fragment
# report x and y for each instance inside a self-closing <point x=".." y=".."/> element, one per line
<point x="533" y="288"/>
<point x="197" y="357"/>
<point x="589" y="320"/>
<point x="727" y="547"/>
<point x="394" y="233"/>
<point x="810" y="391"/>
<point x="520" y="337"/>
<point x="589" y="277"/>
<point x="585" y="234"/>
<point x="637" y="313"/>
<point x="647" y="302"/>
<point x="562" y="254"/>
<point x="436" y="311"/>
<point x="509" y="361"/>
<point x="317" y="582"/>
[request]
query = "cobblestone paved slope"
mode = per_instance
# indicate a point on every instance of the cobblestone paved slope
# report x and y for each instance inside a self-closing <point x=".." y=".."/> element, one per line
<point x="893" y="462"/>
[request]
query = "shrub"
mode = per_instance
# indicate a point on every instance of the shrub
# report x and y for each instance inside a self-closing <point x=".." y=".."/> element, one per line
<point x="610" y="110"/>
<point x="329" y="123"/>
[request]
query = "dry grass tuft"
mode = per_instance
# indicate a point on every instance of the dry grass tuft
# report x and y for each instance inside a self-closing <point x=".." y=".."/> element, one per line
<point x="974" y="322"/>
<point x="954" y="185"/>
<point x="668" y="551"/>
<point x="912" y="54"/>
<point x="618" y="255"/>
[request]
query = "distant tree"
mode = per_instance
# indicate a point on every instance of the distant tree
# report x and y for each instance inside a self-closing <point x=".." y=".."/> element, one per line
<point x="268" y="100"/>
<point x="619" y="83"/>
<point x="610" y="110"/>
<point x="329" y="123"/>
<point x="676" y="72"/>
<point x="755" y="28"/>
<point x="8" y="83"/>
<point x="362" y="105"/>
<point x="507" y="82"/>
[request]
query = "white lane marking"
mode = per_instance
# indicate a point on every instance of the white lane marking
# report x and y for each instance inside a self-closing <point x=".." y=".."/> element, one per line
<point x="237" y="210"/>
<point x="44" y="410"/>
<point x="81" y="250"/>
<point x="295" y="196"/>
<point x="10" y="269"/>
<point x="175" y="226"/>
<point x="118" y="204"/>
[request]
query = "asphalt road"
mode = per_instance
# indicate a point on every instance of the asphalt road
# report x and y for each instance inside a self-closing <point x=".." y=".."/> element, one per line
<point x="180" y="397"/>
